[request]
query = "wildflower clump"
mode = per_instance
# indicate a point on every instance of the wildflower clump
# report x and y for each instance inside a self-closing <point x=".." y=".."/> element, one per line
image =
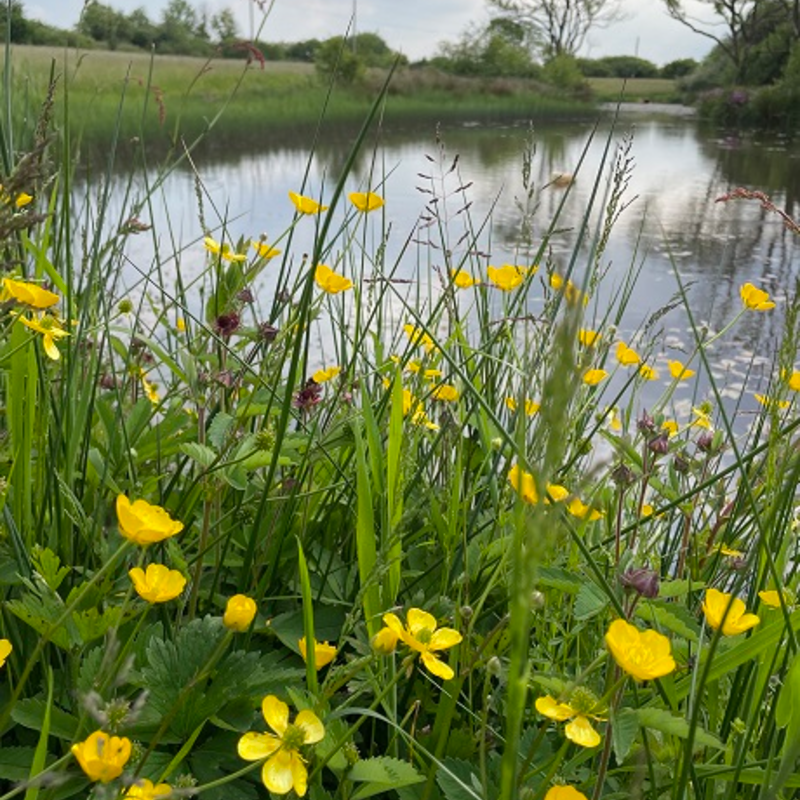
<point x="284" y="768"/>
<point x="102" y="756"/>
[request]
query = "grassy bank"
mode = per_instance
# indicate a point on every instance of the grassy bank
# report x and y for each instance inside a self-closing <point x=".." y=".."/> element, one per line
<point x="170" y="96"/>
<point x="635" y="90"/>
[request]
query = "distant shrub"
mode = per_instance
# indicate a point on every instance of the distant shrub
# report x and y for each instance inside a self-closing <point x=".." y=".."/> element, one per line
<point x="679" y="68"/>
<point x="563" y="73"/>
<point x="335" y="58"/>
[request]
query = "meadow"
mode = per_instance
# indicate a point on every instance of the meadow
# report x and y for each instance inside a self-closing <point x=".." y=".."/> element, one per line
<point x="449" y="564"/>
<point x="116" y="96"/>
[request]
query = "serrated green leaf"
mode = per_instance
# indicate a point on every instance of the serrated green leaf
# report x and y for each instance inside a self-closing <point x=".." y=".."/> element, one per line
<point x="382" y="774"/>
<point x="218" y="430"/>
<point x="561" y="579"/>
<point x="624" y="728"/>
<point x="42" y="614"/>
<point x="457" y="780"/>
<point x="203" y="455"/>
<point x="674" y="618"/>
<point x="48" y="565"/>
<point x="591" y="600"/>
<point x="15" y="762"/>
<point x="661" y="720"/>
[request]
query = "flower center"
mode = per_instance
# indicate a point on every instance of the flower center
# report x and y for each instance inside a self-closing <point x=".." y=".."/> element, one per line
<point x="423" y="636"/>
<point x="293" y="737"/>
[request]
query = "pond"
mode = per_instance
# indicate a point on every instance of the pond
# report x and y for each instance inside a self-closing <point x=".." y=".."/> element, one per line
<point x="672" y="223"/>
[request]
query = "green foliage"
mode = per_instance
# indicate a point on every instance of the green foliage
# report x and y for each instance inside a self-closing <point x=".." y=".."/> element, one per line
<point x="679" y="68"/>
<point x="563" y="72"/>
<point x="336" y="59"/>
<point x="619" y="67"/>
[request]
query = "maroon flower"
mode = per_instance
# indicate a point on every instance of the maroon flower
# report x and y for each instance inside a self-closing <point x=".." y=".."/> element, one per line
<point x="227" y="324"/>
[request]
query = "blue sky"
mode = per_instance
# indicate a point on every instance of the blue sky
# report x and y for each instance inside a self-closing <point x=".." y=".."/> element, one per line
<point x="414" y="27"/>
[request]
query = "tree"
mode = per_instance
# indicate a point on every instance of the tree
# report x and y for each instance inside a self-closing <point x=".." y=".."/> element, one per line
<point x="559" y="26"/>
<point x="738" y="25"/>
<point x="103" y="24"/>
<point x="224" y="26"/>
<point x="13" y="22"/>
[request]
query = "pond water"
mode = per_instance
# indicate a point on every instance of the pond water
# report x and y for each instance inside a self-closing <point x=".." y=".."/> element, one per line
<point x="672" y="222"/>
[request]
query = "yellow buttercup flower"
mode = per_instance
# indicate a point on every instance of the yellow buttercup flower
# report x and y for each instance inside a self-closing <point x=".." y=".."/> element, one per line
<point x="366" y="201"/>
<point x="51" y="330"/>
<point x="462" y="279"/>
<point x="103" y="757"/>
<point x="772" y="598"/>
<point x="579" y="509"/>
<point x="384" y="642"/>
<point x="22" y="199"/>
<point x="564" y="793"/>
<point x="670" y="426"/>
<point x="678" y="371"/>
<point x="263" y="250"/>
<point x="422" y="635"/>
<point x="324" y="653"/>
<point x="5" y="650"/>
<point x="284" y="768"/>
<point x="648" y="373"/>
<point x="587" y="337"/>
<point x="702" y="418"/>
<point x="723" y="610"/>
<point x="306" y="205"/>
<point x="445" y="392"/>
<point x="143" y="523"/>
<point x="28" y="293"/>
<point x="531" y="407"/>
<point x="644" y="655"/>
<point x="793" y="381"/>
<point x="150" y="389"/>
<point x="730" y="552"/>
<point x="330" y="281"/>
<point x="418" y="336"/>
<point x="769" y="401"/>
<point x="145" y="789"/>
<point x="240" y="611"/>
<point x="579" y="729"/>
<point x="222" y="250"/>
<point x="594" y="376"/>
<point x="525" y="485"/>
<point x="755" y="299"/>
<point x="627" y="356"/>
<point x="323" y="375"/>
<point x="159" y="584"/>
<point x="508" y="277"/>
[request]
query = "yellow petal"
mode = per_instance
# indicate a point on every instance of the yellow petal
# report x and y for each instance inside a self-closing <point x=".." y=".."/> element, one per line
<point x="438" y="668"/>
<point x="581" y="732"/>
<point x="419" y="620"/>
<point x="311" y="726"/>
<point x="444" y="638"/>
<point x="277" y="773"/>
<point x="552" y="709"/>
<point x="255" y="746"/>
<point x="299" y="775"/>
<point x="276" y="713"/>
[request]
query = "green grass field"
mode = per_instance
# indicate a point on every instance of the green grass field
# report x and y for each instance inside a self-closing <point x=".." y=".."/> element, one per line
<point x="635" y="90"/>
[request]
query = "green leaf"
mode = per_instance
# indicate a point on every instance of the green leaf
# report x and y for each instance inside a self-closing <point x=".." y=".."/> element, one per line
<point x="381" y="775"/>
<point x="218" y="430"/>
<point x="31" y="713"/>
<point x="203" y="455"/>
<point x="591" y="600"/>
<point x="787" y="709"/>
<point x="624" y="728"/>
<point x="679" y="588"/>
<point x="561" y="579"/>
<point x="661" y="720"/>
<point x="15" y="763"/>
<point x="457" y="780"/>
<point x="48" y="565"/>
<point x="672" y="617"/>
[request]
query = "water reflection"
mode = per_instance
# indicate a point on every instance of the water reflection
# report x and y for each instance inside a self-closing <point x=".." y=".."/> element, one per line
<point x="673" y="223"/>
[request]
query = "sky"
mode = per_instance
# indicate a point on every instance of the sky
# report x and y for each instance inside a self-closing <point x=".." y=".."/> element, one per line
<point x="414" y="27"/>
